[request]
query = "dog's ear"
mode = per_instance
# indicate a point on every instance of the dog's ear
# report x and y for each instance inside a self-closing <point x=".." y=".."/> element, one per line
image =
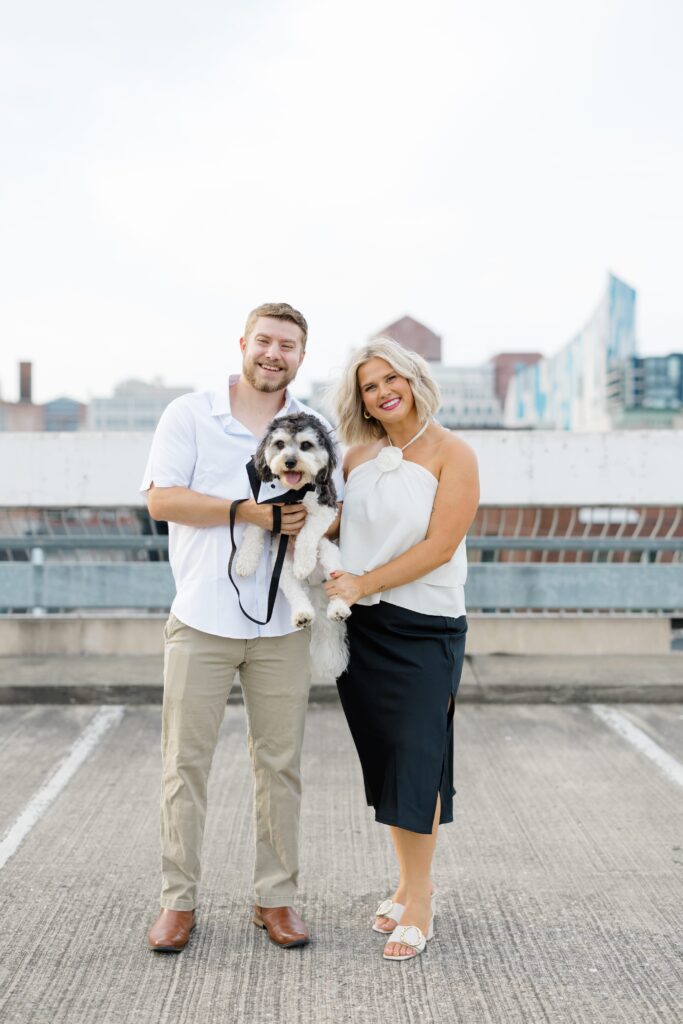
<point x="325" y="489"/>
<point x="324" y="484"/>
<point x="260" y="465"/>
<point x="327" y="442"/>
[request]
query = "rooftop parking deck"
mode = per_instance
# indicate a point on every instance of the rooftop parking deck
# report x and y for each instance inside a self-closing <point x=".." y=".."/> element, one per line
<point x="560" y="889"/>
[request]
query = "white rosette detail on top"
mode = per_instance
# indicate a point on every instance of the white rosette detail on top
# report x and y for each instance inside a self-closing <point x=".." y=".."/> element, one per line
<point x="388" y="459"/>
<point x="391" y="457"/>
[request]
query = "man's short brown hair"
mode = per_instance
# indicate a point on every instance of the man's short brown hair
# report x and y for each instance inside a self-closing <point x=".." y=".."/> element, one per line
<point x="280" y="311"/>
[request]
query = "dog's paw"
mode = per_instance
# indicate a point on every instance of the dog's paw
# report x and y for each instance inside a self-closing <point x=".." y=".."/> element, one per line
<point x="245" y="566"/>
<point x="304" y="565"/>
<point x="338" y="610"/>
<point x="302" y="618"/>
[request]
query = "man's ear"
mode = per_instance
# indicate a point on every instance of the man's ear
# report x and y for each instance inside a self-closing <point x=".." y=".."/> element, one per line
<point x="260" y="465"/>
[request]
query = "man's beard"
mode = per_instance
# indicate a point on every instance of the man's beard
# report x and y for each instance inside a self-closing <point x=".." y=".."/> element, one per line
<point x="261" y="383"/>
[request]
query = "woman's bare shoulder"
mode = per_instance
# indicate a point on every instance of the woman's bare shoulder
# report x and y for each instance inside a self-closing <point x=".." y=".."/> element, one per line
<point x="455" y="450"/>
<point x="359" y="453"/>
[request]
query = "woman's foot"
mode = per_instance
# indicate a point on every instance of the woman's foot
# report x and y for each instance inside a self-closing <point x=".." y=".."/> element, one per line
<point x="387" y="924"/>
<point x="419" y="913"/>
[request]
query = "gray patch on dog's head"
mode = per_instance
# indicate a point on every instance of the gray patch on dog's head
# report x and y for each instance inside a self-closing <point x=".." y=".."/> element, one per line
<point x="260" y="462"/>
<point x="280" y="435"/>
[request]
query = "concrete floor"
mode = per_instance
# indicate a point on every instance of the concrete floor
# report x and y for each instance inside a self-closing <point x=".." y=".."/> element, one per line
<point x="560" y="883"/>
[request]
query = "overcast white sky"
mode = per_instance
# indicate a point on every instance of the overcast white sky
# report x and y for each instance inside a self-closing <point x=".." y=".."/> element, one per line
<point x="480" y="165"/>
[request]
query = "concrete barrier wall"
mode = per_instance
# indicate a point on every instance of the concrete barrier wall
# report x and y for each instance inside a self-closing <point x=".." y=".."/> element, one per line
<point x="517" y="468"/>
<point x="117" y="635"/>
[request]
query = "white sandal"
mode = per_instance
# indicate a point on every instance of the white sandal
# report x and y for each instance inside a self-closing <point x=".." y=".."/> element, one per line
<point x="388" y="908"/>
<point x="410" y="935"/>
<point x="394" y="911"/>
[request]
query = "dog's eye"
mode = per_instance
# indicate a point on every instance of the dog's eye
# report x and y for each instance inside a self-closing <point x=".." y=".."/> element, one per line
<point x="305" y="445"/>
<point x="280" y="444"/>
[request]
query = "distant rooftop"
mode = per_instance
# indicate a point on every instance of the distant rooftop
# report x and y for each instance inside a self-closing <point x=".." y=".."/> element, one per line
<point x="146" y="389"/>
<point x="414" y="336"/>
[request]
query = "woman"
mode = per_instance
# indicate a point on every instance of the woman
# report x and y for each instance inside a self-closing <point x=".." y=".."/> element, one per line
<point x="412" y="492"/>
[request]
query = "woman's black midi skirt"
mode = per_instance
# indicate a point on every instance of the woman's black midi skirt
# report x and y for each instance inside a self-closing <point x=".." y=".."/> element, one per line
<point x="398" y="694"/>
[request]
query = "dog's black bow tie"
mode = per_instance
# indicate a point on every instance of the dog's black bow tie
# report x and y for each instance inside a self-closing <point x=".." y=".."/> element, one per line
<point x="271" y="491"/>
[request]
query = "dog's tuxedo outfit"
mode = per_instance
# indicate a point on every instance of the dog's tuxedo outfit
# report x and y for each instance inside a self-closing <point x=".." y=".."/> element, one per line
<point x="272" y="491"/>
<point x="199" y="445"/>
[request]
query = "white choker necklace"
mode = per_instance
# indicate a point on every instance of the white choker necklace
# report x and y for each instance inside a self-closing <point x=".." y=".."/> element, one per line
<point x="390" y="457"/>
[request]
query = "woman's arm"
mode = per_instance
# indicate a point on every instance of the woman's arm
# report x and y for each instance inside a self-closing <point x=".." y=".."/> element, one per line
<point x="333" y="531"/>
<point x="455" y="506"/>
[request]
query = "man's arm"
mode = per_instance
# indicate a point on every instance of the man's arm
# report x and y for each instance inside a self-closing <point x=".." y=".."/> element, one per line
<point x="182" y="505"/>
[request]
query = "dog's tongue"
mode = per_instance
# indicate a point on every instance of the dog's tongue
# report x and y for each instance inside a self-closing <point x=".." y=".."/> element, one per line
<point x="292" y="479"/>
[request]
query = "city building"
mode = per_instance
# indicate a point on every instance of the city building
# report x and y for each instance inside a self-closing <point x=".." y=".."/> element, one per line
<point x="506" y="365"/>
<point x="135" y="405"/>
<point x="20" y="416"/>
<point x="59" y="414"/>
<point x="24" y="414"/>
<point x="568" y="391"/>
<point x="468" y="397"/>
<point x="415" y="336"/>
<point x="595" y="382"/>
<point x="64" y="414"/>
<point x="644" y="392"/>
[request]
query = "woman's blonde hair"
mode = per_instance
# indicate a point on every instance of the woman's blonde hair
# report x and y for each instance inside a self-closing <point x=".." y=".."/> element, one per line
<point x="345" y="397"/>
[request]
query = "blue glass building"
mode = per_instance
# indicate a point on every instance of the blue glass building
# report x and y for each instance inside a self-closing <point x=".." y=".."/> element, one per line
<point x="568" y="391"/>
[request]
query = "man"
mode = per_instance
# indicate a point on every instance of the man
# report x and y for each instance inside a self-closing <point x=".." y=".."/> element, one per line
<point x="195" y="469"/>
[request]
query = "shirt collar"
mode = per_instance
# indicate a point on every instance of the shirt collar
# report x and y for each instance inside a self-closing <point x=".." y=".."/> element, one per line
<point x="220" y="400"/>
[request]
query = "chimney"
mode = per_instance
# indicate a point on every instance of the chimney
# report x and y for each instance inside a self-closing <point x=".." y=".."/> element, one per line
<point x="25" y="382"/>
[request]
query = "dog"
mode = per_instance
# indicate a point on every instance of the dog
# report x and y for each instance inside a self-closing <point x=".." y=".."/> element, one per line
<point x="298" y="451"/>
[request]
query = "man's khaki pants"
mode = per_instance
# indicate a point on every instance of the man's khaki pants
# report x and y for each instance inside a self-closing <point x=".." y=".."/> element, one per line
<point x="198" y="673"/>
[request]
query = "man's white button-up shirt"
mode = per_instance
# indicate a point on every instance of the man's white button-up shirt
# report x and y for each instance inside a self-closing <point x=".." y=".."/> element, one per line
<point x="200" y="445"/>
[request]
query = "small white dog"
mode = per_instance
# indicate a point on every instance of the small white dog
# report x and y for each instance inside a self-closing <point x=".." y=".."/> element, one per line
<point x="298" y="451"/>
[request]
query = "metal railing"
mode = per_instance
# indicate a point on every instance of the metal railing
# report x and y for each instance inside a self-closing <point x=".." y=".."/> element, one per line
<point x="589" y="533"/>
<point x="594" y="560"/>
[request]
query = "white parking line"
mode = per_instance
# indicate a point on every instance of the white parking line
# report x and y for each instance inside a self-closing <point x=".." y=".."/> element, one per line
<point x="96" y="728"/>
<point x="672" y="768"/>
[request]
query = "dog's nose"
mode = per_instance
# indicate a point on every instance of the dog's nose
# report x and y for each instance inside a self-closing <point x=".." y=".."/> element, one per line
<point x="290" y="463"/>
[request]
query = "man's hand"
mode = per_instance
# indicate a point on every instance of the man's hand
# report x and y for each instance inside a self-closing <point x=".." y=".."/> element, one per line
<point x="293" y="519"/>
<point x="293" y="516"/>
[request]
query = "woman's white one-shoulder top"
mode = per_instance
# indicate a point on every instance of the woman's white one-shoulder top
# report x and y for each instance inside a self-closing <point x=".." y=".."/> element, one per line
<point x="387" y="506"/>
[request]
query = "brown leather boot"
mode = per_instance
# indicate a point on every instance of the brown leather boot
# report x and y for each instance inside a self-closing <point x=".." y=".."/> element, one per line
<point x="171" y="931"/>
<point x="284" y="926"/>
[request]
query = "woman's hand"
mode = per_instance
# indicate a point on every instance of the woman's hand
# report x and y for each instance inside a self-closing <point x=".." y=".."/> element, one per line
<point x="344" y="585"/>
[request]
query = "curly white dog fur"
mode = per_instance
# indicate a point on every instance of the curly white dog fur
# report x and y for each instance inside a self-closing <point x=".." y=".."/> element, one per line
<point x="299" y="452"/>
